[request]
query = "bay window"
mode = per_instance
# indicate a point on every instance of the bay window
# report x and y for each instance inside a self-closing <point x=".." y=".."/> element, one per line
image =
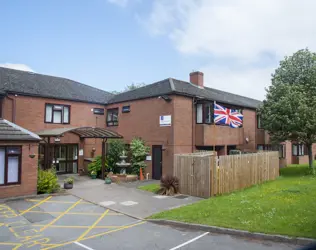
<point x="57" y="113"/>
<point x="10" y="165"/>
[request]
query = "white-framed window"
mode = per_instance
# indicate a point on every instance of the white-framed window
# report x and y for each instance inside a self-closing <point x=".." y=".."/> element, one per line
<point x="10" y="165"/>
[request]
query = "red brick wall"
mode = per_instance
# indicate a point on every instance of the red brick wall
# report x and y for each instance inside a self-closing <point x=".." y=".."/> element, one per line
<point x="143" y="121"/>
<point x="249" y="126"/>
<point x="28" y="184"/>
<point x="30" y="113"/>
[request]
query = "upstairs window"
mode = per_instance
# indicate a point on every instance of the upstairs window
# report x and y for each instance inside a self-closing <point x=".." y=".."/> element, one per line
<point x="98" y="111"/>
<point x="10" y="165"/>
<point x="112" y="117"/>
<point x="205" y="112"/>
<point x="57" y="113"/>
<point x="259" y="125"/>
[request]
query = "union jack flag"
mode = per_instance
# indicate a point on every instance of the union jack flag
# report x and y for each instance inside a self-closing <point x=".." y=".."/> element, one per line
<point x="230" y="117"/>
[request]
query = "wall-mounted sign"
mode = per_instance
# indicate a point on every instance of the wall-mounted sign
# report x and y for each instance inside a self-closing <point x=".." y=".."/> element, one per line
<point x="98" y="111"/>
<point x="165" y="120"/>
<point x="57" y="139"/>
<point x="148" y="158"/>
<point x="126" y="109"/>
<point x="80" y="152"/>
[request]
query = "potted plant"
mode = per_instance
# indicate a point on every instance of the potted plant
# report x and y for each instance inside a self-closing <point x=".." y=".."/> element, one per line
<point x="107" y="179"/>
<point x="93" y="175"/>
<point x="68" y="183"/>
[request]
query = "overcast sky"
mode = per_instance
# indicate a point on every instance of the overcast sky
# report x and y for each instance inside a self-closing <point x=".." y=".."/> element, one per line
<point x="112" y="43"/>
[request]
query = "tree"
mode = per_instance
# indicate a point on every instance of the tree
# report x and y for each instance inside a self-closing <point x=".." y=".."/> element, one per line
<point x="130" y="87"/>
<point x="138" y="154"/>
<point x="289" y="111"/>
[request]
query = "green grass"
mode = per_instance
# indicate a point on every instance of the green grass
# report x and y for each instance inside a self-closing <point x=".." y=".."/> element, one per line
<point x="150" y="188"/>
<point x="285" y="206"/>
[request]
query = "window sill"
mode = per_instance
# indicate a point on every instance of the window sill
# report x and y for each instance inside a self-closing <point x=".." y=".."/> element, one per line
<point x="10" y="186"/>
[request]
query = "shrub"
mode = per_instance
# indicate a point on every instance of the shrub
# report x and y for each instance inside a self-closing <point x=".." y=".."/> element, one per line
<point x="115" y="150"/>
<point x="69" y="180"/>
<point x="47" y="181"/>
<point x="138" y="155"/>
<point x="169" y="185"/>
<point x="96" y="165"/>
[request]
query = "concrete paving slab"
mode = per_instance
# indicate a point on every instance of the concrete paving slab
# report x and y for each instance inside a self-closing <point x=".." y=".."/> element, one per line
<point x="100" y="193"/>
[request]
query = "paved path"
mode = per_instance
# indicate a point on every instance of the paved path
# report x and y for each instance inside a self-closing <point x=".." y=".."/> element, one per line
<point x="67" y="222"/>
<point x="125" y="199"/>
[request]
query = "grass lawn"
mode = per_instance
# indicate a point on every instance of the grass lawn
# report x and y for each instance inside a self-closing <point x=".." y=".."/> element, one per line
<point x="150" y="188"/>
<point x="285" y="206"/>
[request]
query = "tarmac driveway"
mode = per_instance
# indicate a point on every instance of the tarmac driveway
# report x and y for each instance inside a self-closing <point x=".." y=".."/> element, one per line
<point x="67" y="222"/>
<point x="125" y="198"/>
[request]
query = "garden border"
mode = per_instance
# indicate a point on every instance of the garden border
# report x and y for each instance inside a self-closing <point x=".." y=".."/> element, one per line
<point x="235" y="232"/>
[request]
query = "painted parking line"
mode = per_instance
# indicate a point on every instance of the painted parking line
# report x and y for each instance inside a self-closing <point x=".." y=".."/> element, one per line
<point x="37" y="204"/>
<point x="61" y="215"/>
<point x="56" y="201"/>
<point x="189" y="241"/>
<point x="73" y="213"/>
<point x="84" y="246"/>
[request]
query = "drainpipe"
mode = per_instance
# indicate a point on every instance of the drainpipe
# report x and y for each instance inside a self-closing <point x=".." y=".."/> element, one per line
<point x="193" y="123"/>
<point x="13" y="107"/>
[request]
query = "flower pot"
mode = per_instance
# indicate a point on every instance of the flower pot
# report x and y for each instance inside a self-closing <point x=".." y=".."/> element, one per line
<point x="68" y="185"/>
<point x="108" y="181"/>
<point x="94" y="176"/>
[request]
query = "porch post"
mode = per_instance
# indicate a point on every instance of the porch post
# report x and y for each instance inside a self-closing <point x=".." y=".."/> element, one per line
<point x="103" y="158"/>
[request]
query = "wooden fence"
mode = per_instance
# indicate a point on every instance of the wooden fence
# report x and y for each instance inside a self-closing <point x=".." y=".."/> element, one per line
<point x="205" y="175"/>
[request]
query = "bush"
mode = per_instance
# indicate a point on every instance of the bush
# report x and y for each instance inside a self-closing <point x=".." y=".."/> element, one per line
<point x="138" y="155"/>
<point x="115" y="150"/>
<point x="169" y="185"/>
<point x="47" y="181"/>
<point x="295" y="170"/>
<point x="96" y="165"/>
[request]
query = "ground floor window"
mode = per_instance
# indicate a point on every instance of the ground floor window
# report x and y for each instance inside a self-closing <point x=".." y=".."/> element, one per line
<point x="274" y="147"/>
<point x="10" y="165"/>
<point x="299" y="150"/>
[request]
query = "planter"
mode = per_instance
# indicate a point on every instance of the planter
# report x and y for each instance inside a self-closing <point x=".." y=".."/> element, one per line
<point x="68" y="186"/>
<point x="93" y="176"/>
<point x="108" y="181"/>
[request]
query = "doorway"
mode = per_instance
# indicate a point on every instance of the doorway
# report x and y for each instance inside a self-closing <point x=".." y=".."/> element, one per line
<point x="65" y="158"/>
<point x="156" y="162"/>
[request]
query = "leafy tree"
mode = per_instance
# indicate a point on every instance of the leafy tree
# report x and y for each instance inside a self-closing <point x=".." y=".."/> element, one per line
<point x="129" y="87"/>
<point x="115" y="150"/>
<point x="288" y="113"/>
<point x="138" y="154"/>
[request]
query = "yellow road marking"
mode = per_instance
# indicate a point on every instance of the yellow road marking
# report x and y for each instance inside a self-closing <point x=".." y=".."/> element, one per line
<point x="61" y="215"/>
<point x="61" y="226"/>
<point x="42" y="201"/>
<point x="10" y="243"/>
<point x="115" y="230"/>
<point x="93" y="225"/>
<point x="93" y="236"/>
<point x="65" y="202"/>
<point x="74" y="213"/>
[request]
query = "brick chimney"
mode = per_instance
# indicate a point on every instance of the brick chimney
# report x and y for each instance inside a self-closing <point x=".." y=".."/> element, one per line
<point x="197" y="78"/>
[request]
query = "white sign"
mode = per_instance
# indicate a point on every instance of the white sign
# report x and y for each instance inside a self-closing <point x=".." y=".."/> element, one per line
<point x="80" y="152"/>
<point x="165" y="120"/>
<point x="148" y="158"/>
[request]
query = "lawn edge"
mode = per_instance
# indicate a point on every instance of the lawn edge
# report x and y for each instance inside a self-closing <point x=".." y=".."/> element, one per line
<point x="235" y="232"/>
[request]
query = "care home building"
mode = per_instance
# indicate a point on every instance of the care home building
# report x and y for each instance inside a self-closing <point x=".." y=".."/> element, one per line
<point x="171" y="115"/>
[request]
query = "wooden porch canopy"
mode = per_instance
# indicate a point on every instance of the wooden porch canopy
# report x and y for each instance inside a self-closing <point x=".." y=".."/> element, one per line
<point x="82" y="132"/>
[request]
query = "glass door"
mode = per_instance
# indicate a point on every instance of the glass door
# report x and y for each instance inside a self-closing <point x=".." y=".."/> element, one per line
<point x="66" y="158"/>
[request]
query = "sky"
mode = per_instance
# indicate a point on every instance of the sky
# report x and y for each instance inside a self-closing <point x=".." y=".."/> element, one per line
<point x="110" y="44"/>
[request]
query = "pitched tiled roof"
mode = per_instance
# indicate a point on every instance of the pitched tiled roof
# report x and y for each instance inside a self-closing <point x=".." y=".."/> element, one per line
<point x="12" y="132"/>
<point x="33" y="84"/>
<point x="174" y="86"/>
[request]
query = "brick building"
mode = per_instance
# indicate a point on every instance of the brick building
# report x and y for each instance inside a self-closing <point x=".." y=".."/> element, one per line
<point x="18" y="160"/>
<point x="172" y="116"/>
